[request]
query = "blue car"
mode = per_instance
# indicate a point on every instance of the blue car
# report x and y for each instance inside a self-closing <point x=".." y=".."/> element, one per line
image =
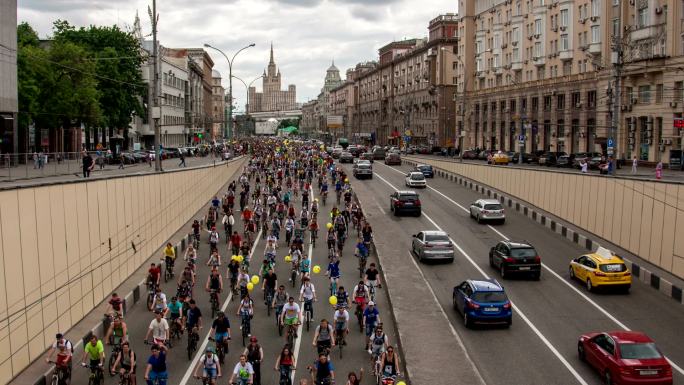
<point x="426" y="170"/>
<point x="482" y="301"/>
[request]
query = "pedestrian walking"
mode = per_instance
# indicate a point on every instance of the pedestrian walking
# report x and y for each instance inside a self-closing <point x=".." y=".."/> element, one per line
<point x="182" y="160"/>
<point x="584" y="166"/>
<point x="87" y="164"/>
<point x="659" y="170"/>
<point x="35" y="160"/>
<point x="121" y="161"/>
<point x="610" y="165"/>
<point x="635" y="162"/>
<point x="41" y="159"/>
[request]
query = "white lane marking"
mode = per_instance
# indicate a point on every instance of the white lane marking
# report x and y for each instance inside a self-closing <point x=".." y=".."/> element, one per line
<point x="205" y="342"/>
<point x="516" y="308"/>
<point x="300" y="335"/>
<point x="565" y="282"/>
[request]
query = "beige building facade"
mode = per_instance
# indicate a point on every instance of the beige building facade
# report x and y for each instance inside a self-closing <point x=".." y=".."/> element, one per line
<point x="272" y="98"/>
<point x="546" y="70"/>
<point x="218" y="100"/>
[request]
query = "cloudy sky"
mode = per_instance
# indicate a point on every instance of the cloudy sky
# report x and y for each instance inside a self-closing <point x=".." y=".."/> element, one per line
<point x="306" y="34"/>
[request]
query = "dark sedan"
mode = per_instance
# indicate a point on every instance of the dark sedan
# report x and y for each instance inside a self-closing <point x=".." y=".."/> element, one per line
<point x="426" y="170"/>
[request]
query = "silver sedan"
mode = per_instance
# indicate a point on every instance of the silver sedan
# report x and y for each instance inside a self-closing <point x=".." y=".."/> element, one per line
<point x="432" y="245"/>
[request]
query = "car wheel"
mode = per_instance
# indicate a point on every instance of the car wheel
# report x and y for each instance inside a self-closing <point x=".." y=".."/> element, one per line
<point x="607" y="378"/>
<point x="626" y="289"/>
<point x="453" y="302"/>
<point x="418" y="213"/>
<point x="471" y="213"/>
<point x="580" y="352"/>
<point x="491" y="261"/>
<point x="478" y="219"/>
<point x="502" y="271"/>
<point x="590" y="287"/>
<point x="466" y="320"/>
<point x="572" y="273"/>
<point x="509" y="322"/>
<point x="537" y="276"/>
<point x="501" y="222"/>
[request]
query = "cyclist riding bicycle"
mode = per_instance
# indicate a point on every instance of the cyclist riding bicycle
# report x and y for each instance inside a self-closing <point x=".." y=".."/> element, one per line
<point x="211" y="369"/>
<point x="291" y="315"/>
<point x="361" y="295"/>
<point x="323" y="336"/>
<point x="323" y="372"/>
<point x="379" y="343"/>
<point x="341" y="318"/>
<point x="175" y="312"/>
<point x="221" y="329"/>
<point x="279" y="300"/>
<point x="371" y="318"/>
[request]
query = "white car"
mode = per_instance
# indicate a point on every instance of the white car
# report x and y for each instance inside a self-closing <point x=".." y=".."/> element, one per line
<point x="415" y="179"/>
<point x="487" y="210"/>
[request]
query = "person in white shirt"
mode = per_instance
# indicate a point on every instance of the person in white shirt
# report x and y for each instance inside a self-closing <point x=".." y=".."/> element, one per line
<point x="291" y="315"/>
<point x="341" y="319"/>
<point x="159" y="329"/>
<point x="210" y="366"/>
<point x="243" y="371"/>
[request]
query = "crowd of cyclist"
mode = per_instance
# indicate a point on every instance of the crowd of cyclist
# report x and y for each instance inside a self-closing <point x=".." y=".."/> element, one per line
<point x="277" y="176"/>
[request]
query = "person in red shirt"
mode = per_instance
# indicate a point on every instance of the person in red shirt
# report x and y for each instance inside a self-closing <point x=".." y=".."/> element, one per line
<point x="115" y="305"/>
<point x="154" y="274"/>
<point x="247" y="215"/>
<point x="235" y="241"/>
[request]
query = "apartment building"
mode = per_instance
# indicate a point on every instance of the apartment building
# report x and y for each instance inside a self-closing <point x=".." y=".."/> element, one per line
<point x="544" y="71"/>
<point x="218" y="100"/>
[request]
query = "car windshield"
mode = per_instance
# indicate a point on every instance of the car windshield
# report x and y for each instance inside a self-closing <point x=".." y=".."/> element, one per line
<point x="493" y="206"/>
<point x="613" y="267"/>
<point x="489" y="296"/>
<point x="640" y="351"/>
<point x="425" y="168"/>
<point x="417" y="176"/>
<point x="408" y="197"/>
<point x="522" y="253"/>
<point x="436" y="238"/>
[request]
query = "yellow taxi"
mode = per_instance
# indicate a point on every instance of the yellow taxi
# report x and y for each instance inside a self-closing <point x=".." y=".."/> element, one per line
<point x="500" y="158"/>
<point x="602" y="268"/>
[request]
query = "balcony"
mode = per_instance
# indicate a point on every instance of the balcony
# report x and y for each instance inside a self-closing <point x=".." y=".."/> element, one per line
<point x="565" y="55"/>
<point x="539" y="61"/>
<point x="516" y="66"/>
<point x="595" y="48"/>
<point x="648" y="32"/>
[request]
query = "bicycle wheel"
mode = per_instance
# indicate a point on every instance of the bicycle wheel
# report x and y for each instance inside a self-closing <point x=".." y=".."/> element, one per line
<point x="308" y="320"/>
<point x="293" y="277"/>
<point x="150" y="301"/>
<point x="55" y="379"/>
<point x="112" y="359"/>
<point x="166" y="274"/>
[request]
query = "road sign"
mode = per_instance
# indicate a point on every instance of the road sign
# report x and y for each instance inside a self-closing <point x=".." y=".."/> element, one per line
<point x="521" y="138"/>
<point x="611" y="143"/>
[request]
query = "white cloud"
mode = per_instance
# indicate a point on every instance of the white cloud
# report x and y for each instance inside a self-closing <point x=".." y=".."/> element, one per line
<point x="306" y="34"/>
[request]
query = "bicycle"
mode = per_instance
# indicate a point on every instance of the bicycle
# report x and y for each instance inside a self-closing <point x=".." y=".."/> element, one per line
<point x="339" y="195"/>
<point x="151" y="292"/>
<point x="314" y="235"/>
<point x="294" y="272"/>
<point x="221" y="348"/>
<point x="193" y="339"/>
<point x="168" y="270"/>
<point x="116" y="348"/>
<point x="324" y="197"/>
<point x="278" y="312"/>
<point x="308" y="312"/>
<point x="339" y="338"/>
<point x="246" y="328"/>
<point x="196" y="241"/>
<point x="214" y="300"/>
<point x="60" y="375"/>
<point x="363" y="259"/>
<point x="96" y="377"/>
<point x="268" y="300"/>
<point x="371" y="291"/>
<point x="291" y="332"/>
<point x="175" y="329"/>
<point x="125" y="378"/>
<point x="360" y="305"/>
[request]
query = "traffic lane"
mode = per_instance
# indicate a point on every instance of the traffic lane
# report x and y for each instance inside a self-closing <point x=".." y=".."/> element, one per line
<point x="548" y="312"/>
<point x="498" y="365"/>
<point x="138" y="317"/>
<point x="659" y="322"/>
<point x="265" y="329"/>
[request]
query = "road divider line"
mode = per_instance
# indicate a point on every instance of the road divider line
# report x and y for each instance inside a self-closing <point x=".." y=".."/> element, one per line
<point x="205" y="342"/>
<point x="522" y="315"/>
<point x="558" y="276"/>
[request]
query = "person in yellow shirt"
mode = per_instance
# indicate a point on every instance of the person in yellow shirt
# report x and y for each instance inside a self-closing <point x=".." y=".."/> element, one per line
<point x="94" y="352"/>
<point x="169" y="257"/>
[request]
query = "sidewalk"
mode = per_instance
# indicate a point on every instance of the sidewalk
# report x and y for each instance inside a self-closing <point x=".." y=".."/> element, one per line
<point x="28" y="176"/>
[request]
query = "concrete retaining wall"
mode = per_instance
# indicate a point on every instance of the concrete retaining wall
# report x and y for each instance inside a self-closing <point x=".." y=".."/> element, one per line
<point x="65" y="247"/>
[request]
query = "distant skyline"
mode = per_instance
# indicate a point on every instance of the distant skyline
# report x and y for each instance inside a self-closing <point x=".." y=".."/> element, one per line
<point x="306" y="34"/>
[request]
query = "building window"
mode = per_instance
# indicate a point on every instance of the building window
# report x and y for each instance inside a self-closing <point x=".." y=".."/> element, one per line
<point x="547" y="103"/>
<point x="595" y="8"/>
<point x="678" y="91"/>
<point x="564" y="42"/>
<point x="537" y="27"/>
<point x="560" y="101"/>
<point x="511" y="104"/>
<point x="659" y="93"/>
<point x="645" y="94"/>
<point x="576" y="99"/>
<point x="642" y="17"/>
<point x="538" y="49"/>
<point x="541" y="72"/>
<point x="595" y="34"/>
<point x="564" y="18"/>
<point x="591" y="99"/>
<point x="523" y="104"/>
<point x="535" y="103"/>
<point x="629" y="94"/>
<point x="561" y="128"/>
<point x="516" y="55"/>
<point x="616" y="27"/>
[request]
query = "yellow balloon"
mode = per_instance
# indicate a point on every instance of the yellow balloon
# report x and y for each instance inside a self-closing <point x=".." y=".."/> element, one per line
<point x="316" y="269"/>
<point x="255" y="279"/>
<point x="250" y="286"/>
<point x="401" y="383"/>
<point x="288" y="258"/>
<point x="332" y="300"/>
<point x="329" y="225"/>
<point x="234" y="257"/>
<point x="346" y="180"/>
<point x="240" y="258"/>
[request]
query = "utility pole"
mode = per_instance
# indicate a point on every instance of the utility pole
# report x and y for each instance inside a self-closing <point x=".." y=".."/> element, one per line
<point x="156" y="114"/>
<point x="617" y="58"/>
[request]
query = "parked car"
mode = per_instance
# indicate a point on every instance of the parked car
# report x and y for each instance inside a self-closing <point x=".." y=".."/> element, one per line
<point x="512" y="257"/>
<point x="431" y="245"/>
<point x="564" y="161"/>
<point x="499" y="158"/>
<point x="527" y="158"/>
<point x="410" y="150"/>
<point x="482" y="301"/>
<point x="346" y="157"/>
<point x="415" y="179"/>
<point x="393" y="158"/>
<point x="141" y="156"/>
<point x="379" y="153"/>
<point x="487" y="210"/>
<point x="426" y="169"/>
<point x="550" y="158"/>
<point x="625" y="358"/>
<point x="602" y="268"/>
<point x="405" y="202"/>
<point x="173" y="152"/>
<point x="469" y="154"/>
<point x="362" y="169"/>
<point x="423" y="150"/>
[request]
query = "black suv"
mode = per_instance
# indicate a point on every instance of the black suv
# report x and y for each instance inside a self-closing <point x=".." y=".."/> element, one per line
<point x="405" y="202"/>
<point x="515" y="257"/>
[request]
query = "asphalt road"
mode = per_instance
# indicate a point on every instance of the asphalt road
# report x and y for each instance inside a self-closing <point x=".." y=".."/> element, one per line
<point x="549" y="315"/>
<point x="263" y="327"/>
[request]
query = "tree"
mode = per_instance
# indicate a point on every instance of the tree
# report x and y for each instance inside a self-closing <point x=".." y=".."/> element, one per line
<point x="117" y="57"/>
<point x="29" y="73"/>
<point x="288" y="122"/>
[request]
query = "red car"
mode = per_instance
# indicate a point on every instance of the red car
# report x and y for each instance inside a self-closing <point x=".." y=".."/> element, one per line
<point x="625" y="358"/>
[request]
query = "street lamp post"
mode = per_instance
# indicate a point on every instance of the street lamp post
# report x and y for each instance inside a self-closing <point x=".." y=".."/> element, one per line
<point x="230" y="84"/>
